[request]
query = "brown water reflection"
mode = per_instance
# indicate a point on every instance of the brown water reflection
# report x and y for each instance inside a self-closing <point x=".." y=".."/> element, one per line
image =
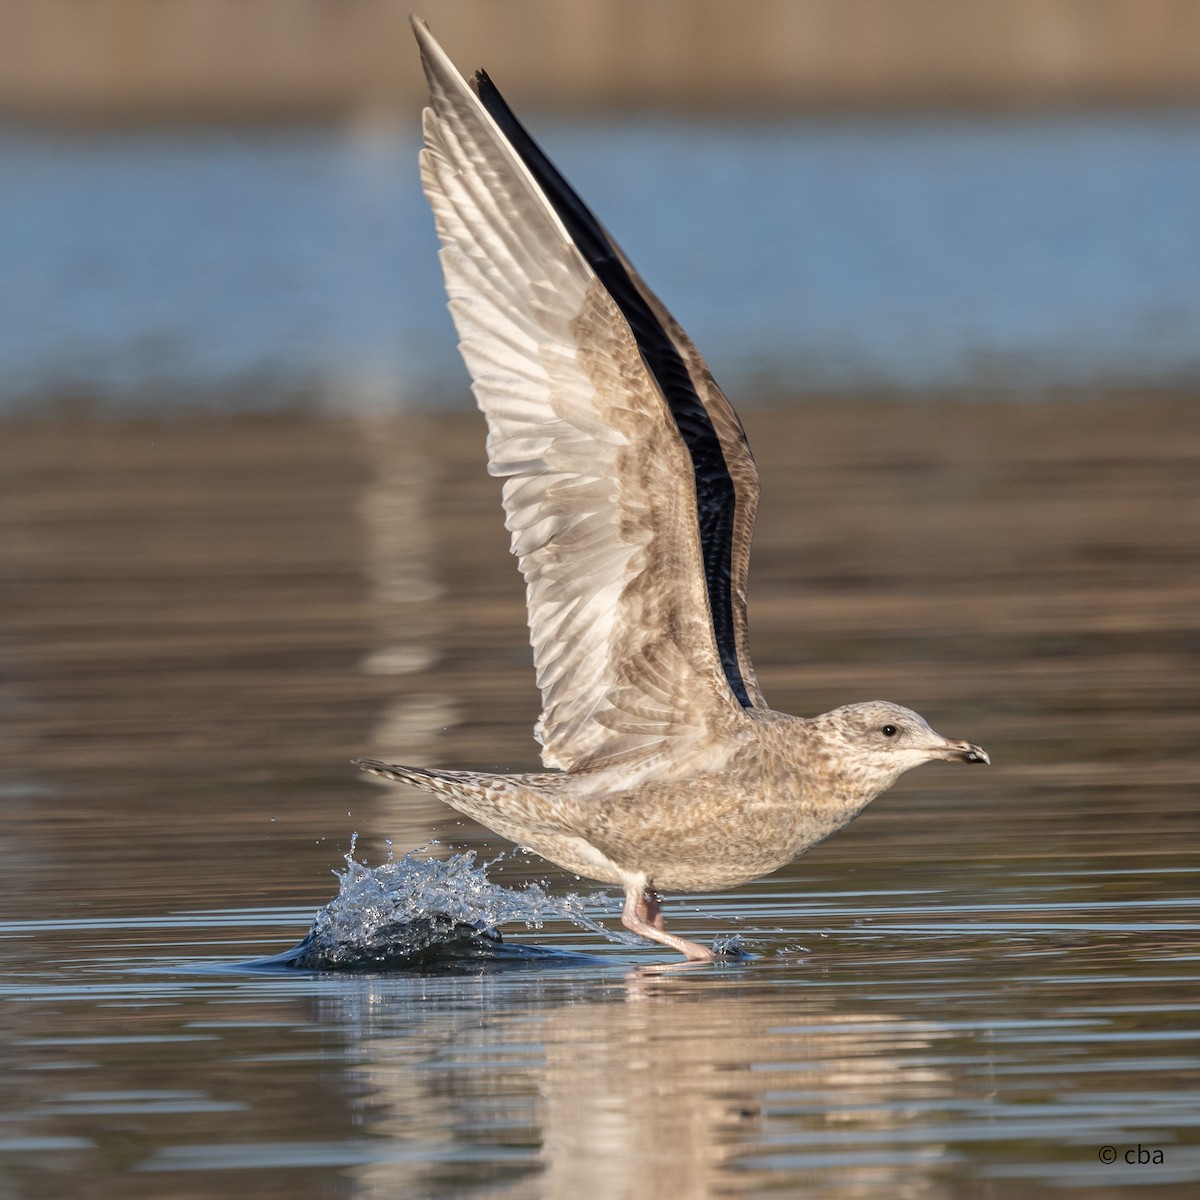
<point x="204" y="620"/>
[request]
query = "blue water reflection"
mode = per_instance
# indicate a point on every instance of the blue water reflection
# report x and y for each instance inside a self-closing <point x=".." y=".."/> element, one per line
<point x="915" y="253"/>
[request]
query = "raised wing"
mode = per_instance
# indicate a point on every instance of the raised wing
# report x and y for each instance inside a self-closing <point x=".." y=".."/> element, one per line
<point x="726" y="478"/>
<point x="726" y="539"/>
<point x="613" y="466"/>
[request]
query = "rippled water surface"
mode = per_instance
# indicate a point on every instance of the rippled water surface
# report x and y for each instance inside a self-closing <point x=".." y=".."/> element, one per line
<point x="978" y="989"/>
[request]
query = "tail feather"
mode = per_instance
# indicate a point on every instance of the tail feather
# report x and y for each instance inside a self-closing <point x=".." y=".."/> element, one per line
<point x="517" y="806"/>
<point x="442" y="783"/>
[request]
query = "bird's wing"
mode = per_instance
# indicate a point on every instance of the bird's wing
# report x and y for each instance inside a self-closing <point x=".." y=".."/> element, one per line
<point x="618" y="496"/>
<point x="726" y="478"/>
<point x="726" y="533"/>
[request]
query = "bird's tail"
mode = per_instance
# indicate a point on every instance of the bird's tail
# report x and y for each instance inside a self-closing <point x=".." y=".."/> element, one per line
<point x="450" y="785"/>
<point x="512" y="805"/>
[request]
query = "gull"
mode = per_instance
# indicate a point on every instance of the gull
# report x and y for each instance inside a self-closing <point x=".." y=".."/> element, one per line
<point x="630" y="494"/>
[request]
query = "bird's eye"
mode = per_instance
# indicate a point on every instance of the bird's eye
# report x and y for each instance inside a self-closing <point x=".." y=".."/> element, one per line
<point x="888" y="731"/>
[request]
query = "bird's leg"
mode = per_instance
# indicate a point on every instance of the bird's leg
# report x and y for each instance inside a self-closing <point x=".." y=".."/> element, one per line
<point x="643" y="915"/>
<point x="649" y="908"/>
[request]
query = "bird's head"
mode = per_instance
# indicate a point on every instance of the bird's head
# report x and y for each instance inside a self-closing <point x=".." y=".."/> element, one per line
<point x="881" y="740"/>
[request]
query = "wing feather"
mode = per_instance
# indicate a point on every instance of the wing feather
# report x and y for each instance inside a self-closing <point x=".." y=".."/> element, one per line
<point x="599" y="492"/>
<point x="739" y="462"/>
<point x="726" y="477"/>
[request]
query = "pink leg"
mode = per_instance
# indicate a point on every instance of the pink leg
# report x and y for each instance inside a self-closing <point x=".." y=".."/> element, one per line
<point x="649" y="908"/>
<point x="643" y="915"/>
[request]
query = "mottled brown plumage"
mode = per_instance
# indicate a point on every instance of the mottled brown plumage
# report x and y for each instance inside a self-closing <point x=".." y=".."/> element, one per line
<point x="630" y="495"/>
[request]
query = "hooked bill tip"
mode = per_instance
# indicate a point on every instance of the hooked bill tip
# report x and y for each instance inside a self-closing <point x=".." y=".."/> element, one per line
<point x="973" y="754"/>
<point x="960" y="750"/>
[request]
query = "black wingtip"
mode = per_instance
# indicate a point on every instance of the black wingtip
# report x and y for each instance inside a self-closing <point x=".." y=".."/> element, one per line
<point x="716" y="495"/>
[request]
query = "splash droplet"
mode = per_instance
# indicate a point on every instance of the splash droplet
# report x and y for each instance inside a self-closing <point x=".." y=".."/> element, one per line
<point x="416" y="909"/>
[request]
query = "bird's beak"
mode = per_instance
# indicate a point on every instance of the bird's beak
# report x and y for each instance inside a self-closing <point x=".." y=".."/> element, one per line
<point x="958" y="750"/>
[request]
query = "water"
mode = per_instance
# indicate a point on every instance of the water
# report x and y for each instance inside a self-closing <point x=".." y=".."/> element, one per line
<point x="418" y="911"/>
<point x="990" y="977"/>
<point x="248" y="268"/>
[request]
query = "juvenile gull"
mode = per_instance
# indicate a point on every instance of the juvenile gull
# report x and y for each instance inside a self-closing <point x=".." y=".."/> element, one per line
<point x="630" y="494"/>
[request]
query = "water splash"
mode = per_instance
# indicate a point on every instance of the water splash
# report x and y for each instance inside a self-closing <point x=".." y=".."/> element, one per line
<point x="417" y="911"/>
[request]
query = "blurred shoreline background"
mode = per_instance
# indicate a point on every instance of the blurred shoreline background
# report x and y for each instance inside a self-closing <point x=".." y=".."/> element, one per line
<point x="215" y="202"/>
<point x="251" y="60"/>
